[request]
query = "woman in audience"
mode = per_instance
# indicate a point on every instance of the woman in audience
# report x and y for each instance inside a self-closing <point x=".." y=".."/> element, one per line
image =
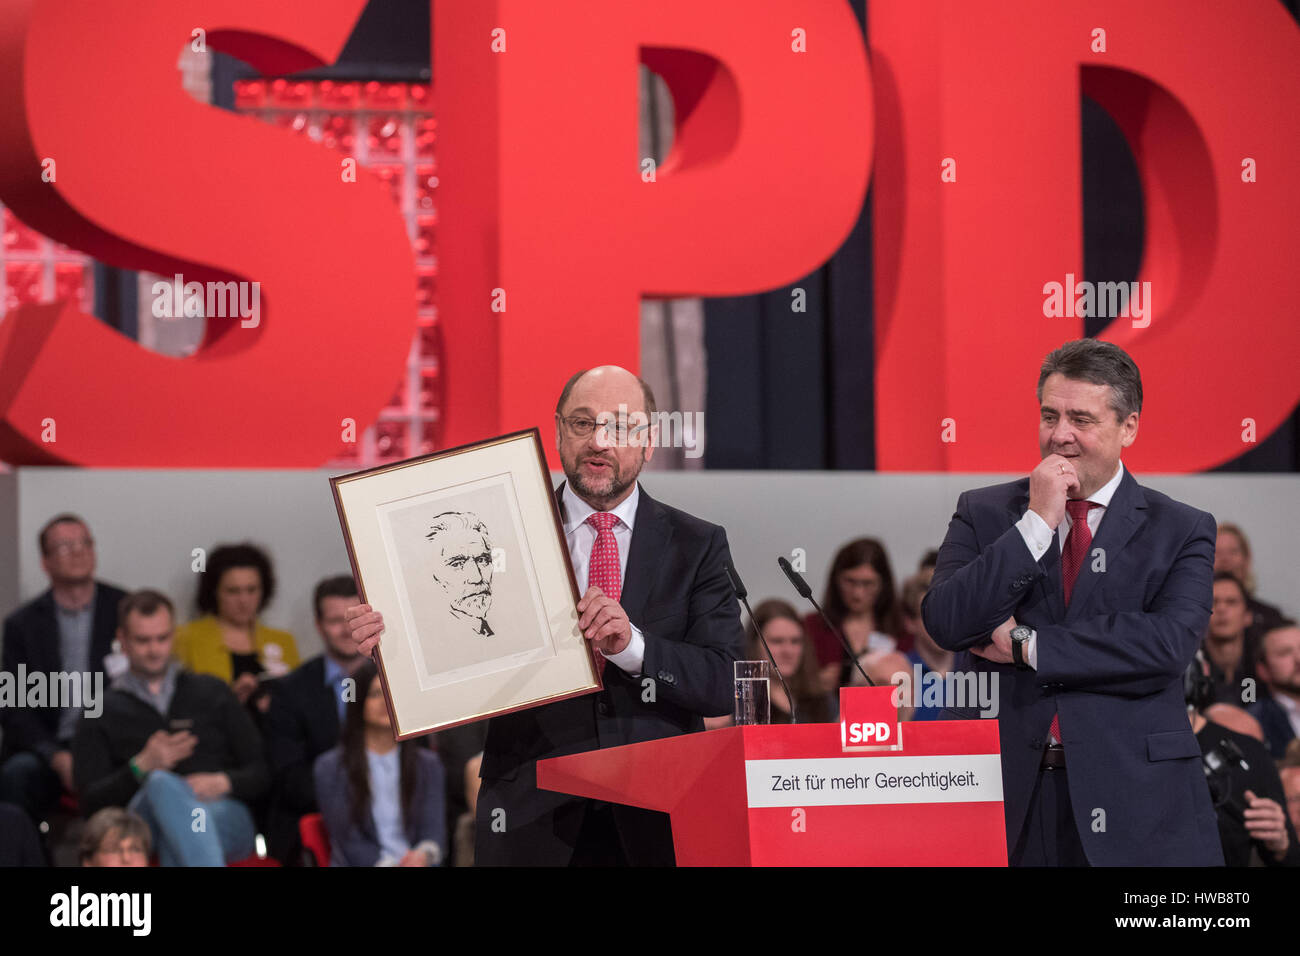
<point x="1232" y="554"/>
<point x="382" y="800"/>
<point x="860" y="601"/>
<point x="793" y="653"/>
<point x="115" y="836"/>
<point x="229" y="641"/>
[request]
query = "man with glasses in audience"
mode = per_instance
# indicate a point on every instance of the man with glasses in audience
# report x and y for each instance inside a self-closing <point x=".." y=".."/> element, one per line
<point x="68" y="628"/>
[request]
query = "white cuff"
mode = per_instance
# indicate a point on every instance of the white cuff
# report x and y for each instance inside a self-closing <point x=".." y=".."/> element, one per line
<point x="1035" y="532"/>
<point x="1031" y="650"/>
<point x="630" y="658"/>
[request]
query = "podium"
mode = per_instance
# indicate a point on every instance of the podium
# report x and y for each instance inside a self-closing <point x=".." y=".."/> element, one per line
<point x="803" y="795"/>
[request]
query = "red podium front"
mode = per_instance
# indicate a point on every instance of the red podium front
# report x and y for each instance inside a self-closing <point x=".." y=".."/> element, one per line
<point x="794" y="795"/>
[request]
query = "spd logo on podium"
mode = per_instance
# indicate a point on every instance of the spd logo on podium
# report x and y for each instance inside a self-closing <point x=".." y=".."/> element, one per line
<point x="869" y="719"/>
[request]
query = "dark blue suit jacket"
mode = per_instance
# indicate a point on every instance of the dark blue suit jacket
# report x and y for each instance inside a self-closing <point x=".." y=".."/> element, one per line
<point x="1275" y="723"/>
<point x="31" y="638"/>
<point x="1111" y="664"/>
<point x="676" y="591"/>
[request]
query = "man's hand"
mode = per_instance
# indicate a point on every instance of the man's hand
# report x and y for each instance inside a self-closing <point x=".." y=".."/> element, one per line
<point x="164" y="750"/>
<point x="61" y="764"/>
<point x="1266" y="823"/>
<point x="244" y="686"/>
<point x="1049" y="485"/>
<point x="999" y="650"/>
<point x="365" y="625"/>
<point x="208" y="786"/>
<point x="603" y="622"/>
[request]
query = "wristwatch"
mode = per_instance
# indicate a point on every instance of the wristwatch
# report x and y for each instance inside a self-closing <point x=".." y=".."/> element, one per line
<point x="1020" y="636"/>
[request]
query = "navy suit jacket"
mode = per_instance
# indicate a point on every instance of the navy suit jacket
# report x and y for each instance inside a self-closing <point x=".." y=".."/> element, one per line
<point x="676" y="591"/>
<point x="1111" y="664"/>
<point x="31" y="637"/>
<point x="354" y="846"/>
<point x="1275" y="723"/>
<point x="302" y="722"/>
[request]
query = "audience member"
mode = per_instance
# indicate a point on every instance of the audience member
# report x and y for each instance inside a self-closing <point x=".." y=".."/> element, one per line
<point x="1289" y="771"/>
<point x="171" y="746"/>
<point x="20" y="845"/>
<point x="1245" y="787"/>
<point x="860" y="601"/>
<point x="463" y="834"/>
<point x="458" y="748"/>
<point x="115" y="837"/>
<point x="304" y="716"/>
<point x="780" y="625"/>
<point x="1232" y="554"/>
<point x="229" y="641"/>
<point x="382" y="800"/>
<point x="931" y="657"/>
<point x="1225" y="642"/>
<point x="887" y="668"/>
<point x="1236" y="719"/>
<point x="1278" y="666"/>
<point x="67" y="628"/>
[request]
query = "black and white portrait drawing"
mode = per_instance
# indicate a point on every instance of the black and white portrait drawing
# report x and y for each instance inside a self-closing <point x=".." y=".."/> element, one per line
<point x="465" y="581"/>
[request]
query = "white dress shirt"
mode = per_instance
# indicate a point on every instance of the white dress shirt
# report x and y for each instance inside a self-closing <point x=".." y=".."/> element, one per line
<point x="581" y="537"/>
<point x="1038" y="537"/>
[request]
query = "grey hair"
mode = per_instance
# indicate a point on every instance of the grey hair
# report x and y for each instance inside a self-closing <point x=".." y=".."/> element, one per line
<point x="1101" y="363"/>
<point x="450" y="520"/>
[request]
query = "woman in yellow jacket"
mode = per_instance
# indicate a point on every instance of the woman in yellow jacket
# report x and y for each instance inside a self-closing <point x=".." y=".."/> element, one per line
<point x="229" y="641"/>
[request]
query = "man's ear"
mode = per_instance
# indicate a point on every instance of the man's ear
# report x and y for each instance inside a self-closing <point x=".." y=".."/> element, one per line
<point x="1130" y="430"/>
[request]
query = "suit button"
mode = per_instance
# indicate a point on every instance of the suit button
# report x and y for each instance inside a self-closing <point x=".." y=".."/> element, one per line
<point x="1036" y="743"/>
<point x="1013" y="589"/>
<point x="603" y="707"/>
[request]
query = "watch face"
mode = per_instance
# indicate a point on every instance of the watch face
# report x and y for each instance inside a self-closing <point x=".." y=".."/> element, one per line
<point x="1020" y="633"/>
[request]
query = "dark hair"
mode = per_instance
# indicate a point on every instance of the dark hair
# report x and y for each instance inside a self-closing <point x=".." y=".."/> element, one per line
<point x="222" y="559"/>
<point x="646" y="393"/>
<point x="340" y="585"/>
<point x="806" y="683"/>
<point x="112" y="820"/>
<point x="145" y="602"/>
<point x="63" y="518"/>
<point x="1229" y="576"/>
<point x="929" y="560"/>
<point x="352" y="741"/>
<point x="1285" y="624"/>
<point x="1101" y="363"/>
<point x="853" y="555"/>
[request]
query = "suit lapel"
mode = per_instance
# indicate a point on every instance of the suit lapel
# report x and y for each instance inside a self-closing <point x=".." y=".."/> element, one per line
<point x="1050" y="585"/>
<point x="650" y="536"/>
<point x="651" y="532"/>
<point x="1126" y="513"/>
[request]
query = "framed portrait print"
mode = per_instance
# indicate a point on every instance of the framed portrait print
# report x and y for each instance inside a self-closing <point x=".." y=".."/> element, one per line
<point x="463" y="554"/>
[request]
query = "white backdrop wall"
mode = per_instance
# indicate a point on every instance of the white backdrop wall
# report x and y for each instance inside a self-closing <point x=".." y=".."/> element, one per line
<point x="147" y="523"/>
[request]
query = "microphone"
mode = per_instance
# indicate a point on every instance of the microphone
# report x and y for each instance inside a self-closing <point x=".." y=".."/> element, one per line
<point x="805" y="591"/>
<point x="742" y="594"/>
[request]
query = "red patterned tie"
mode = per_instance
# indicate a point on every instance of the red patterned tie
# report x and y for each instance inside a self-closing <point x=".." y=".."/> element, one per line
<point x="1076" y="549"/>
<point x="602" y="570"/>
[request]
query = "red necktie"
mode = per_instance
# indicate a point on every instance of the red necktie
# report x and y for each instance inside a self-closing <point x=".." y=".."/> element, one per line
<point x="1076" y="549"/>
<point x="602" y="569"/>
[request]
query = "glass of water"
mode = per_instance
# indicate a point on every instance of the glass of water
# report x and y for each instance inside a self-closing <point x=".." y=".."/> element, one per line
<point x="753" y="705"/>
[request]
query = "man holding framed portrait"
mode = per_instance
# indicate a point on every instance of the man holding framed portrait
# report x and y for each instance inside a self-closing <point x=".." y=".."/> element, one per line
<point x="657" y="608"/>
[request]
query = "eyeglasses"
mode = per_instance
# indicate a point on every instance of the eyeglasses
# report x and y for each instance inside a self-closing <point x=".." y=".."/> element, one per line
<point x="618" y="430"/>
<point x="126" y="851"/>
<point x="68" y="547"/>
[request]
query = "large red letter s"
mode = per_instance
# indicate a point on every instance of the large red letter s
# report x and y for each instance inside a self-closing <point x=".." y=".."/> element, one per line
<point x="104" y="151"/>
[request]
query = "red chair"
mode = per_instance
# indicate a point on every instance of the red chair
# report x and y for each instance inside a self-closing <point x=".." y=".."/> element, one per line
<point x="315" y="840"/>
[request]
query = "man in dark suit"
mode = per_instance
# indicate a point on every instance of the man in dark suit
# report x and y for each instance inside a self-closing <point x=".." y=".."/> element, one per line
<point x="304" y="716"/>
<point x="1085" y="594"/>
<point x="68" y="628"/>
<point x="658" y="609"/>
